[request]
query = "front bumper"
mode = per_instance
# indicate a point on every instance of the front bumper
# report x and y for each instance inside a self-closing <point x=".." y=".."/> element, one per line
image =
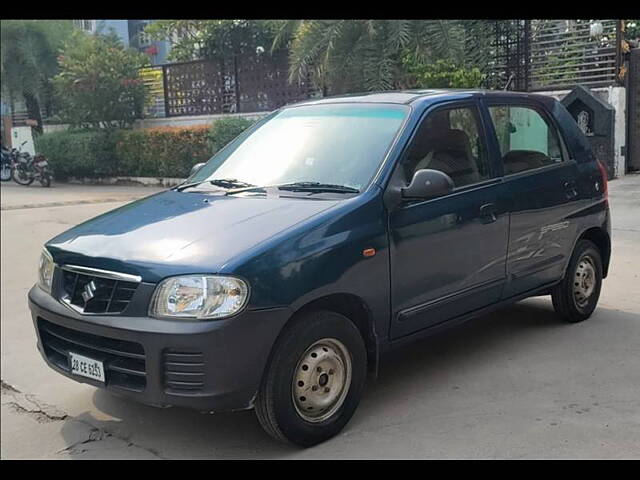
<point x="209" y="366"/>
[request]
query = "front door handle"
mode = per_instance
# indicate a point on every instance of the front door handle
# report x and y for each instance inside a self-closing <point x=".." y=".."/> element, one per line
<point x="570" y="189"/>
<point x="488" y="213"/>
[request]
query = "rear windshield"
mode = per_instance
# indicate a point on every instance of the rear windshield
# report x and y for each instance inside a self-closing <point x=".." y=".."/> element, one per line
<point x="341" y="144"/>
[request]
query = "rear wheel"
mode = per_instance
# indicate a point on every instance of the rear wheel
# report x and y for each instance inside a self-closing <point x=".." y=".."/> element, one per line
<point x="314" y="380"/>
<point x="576" y="296"/>
<point x="5" y="172"/>
<point x="45" y="179"/>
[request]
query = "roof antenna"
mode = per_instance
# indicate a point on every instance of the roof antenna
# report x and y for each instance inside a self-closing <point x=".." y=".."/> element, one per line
<point x="511" y="77"/>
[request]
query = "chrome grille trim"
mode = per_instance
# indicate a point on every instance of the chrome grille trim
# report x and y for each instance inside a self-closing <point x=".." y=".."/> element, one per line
<point x="96" y="272"/>
<point x="113" y="290"/>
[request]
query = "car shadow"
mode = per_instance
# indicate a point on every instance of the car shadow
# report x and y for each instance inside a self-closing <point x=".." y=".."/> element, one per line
<point x="182" y="433"/>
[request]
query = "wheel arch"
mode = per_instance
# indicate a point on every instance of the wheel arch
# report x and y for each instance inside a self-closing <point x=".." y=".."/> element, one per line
<point x="601" y="239"/>
<point x="356" y="310"/>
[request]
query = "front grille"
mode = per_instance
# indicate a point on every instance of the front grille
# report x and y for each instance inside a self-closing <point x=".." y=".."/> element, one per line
<point x="124" y="361"/>
<point x="183" y="371"/>
<point x="109" y="295"/>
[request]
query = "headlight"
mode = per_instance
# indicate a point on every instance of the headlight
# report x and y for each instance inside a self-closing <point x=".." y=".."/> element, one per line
<point x="199" y="297"/>
<point x="45" y="271"/>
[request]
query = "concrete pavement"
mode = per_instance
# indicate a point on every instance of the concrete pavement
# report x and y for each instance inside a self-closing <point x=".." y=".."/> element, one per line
<point x="514" y="384"/>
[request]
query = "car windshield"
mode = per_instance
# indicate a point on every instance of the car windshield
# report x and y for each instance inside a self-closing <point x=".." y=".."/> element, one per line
<point x="334" y="144"/>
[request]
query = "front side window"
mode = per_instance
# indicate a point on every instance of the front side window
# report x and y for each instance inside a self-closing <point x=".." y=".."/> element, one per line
<point x="337" y="144"/>
<point x="527" y="140"/>
<point x="449" y="141"/>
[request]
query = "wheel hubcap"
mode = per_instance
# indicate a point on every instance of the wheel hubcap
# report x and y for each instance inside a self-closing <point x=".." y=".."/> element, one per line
<point x="584" y="281"/>
<point x="321" y="380"/>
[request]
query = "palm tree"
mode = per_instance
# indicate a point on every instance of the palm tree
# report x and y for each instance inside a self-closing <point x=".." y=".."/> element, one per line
<point x="352" y="55"/>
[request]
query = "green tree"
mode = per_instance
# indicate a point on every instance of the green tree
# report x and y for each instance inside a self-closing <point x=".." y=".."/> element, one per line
<point x="342" y="55"/>
<point x="353" y="55"/>
<point x="99" y="84"/>
<point x="442" y="74"/>
<point x="28" y="52"/>
<point x="197" y="39"/>
<point x="632" y="32"/>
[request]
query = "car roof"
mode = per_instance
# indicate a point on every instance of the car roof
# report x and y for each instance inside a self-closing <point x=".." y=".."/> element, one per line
<point x="406" y="97"/>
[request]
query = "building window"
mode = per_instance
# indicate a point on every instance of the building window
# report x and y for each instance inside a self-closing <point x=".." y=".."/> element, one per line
<point x="143" y="38"/>
<point x="86" y="25"/>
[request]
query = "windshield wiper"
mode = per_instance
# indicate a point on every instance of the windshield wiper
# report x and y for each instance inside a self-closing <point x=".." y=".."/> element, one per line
<point x="218" y="182"/>
<point x="313" y="187"/>
<point x="317" y="187"/>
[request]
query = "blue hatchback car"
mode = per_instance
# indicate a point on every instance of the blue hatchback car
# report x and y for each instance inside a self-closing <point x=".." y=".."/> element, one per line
<point x="328" y="233"/>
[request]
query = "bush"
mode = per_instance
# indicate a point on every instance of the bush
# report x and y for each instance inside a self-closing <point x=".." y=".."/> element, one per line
<point x="442" y="74"/>
<point x="225" y="130"/>
<point x="154" y="152"/>
<point x="79" y="154"/>
<point x="162" y="152"/>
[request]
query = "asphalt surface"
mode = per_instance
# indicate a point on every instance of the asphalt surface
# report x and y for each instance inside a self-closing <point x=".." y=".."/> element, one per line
<point x="518" y="383"/>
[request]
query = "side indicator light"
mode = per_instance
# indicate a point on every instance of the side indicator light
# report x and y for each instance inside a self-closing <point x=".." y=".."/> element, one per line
<point x="368" y="252"/>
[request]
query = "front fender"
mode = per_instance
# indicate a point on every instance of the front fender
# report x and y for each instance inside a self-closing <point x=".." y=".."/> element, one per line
<point x="325" y="257"/>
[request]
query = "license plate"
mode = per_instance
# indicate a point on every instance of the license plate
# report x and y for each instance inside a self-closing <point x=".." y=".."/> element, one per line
<point x="86" y="367"/>
<point x="43" y="163"/>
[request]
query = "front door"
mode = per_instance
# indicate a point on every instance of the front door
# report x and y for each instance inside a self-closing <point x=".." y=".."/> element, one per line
<point x="447" y="253"/>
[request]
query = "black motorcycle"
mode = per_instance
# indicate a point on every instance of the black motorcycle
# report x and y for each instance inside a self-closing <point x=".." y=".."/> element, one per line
<point x="25" y="169"/>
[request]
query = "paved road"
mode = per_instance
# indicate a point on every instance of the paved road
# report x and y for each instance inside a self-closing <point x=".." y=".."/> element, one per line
<point x="14" y="196"/>
<point x="514" y="384"/>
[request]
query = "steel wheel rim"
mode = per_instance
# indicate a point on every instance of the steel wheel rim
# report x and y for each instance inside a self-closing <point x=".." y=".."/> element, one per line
<point x="584" y="281"/>
<point x="321" y="380"/>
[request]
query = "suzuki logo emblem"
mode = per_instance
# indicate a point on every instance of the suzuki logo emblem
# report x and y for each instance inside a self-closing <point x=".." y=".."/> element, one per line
<point x="89" y="291"/>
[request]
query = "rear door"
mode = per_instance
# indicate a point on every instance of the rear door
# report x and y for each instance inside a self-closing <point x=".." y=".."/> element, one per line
<point x="539" y="191"/>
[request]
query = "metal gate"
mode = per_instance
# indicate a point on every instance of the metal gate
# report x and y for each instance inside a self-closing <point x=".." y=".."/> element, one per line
<point x="633" y="112"/>
<point x="540" y="55"/>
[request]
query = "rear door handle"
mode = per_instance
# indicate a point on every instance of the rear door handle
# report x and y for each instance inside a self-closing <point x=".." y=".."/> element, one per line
<point x="488" y="213"/>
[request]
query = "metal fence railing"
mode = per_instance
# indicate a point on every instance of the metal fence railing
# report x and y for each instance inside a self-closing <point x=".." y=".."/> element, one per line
<point x="555" y="54"/>
<point x="228" y="85"/>
<point x="568" y="52"/>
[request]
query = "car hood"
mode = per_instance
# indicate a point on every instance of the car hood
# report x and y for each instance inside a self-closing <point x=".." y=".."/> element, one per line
<point x="174" y="232"/>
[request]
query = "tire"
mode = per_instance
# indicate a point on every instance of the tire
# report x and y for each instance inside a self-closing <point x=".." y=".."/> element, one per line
<point x="5" y="173"/>
<point x="45" y="180"/>
<point x="15" y="175"/>
<point x="576" y="296"/>
<point x="320" y="339"/>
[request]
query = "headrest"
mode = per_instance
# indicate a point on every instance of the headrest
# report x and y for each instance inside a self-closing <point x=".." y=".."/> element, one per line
<point x="453" y="141"/>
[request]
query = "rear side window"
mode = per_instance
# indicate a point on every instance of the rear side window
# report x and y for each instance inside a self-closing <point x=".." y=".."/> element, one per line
<point x="527" y="139"/>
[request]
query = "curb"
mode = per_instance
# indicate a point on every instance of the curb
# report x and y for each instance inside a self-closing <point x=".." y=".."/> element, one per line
<point x="69" y="203"/>
<point x="146" y="181"/>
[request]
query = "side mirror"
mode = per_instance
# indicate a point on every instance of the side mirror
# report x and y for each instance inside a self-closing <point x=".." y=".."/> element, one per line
<point x="428" y="183"/>
<point x="195" y="168"/>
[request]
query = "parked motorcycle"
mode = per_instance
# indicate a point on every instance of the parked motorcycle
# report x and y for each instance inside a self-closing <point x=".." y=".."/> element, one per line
<point x="25" y="169"/>
<point x="5" y="164"/>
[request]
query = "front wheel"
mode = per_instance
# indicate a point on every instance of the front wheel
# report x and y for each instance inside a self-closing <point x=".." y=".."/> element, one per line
<point x="21" y="176"/>
<point x="314" y="380"/>
<point x="576" y="296"/>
